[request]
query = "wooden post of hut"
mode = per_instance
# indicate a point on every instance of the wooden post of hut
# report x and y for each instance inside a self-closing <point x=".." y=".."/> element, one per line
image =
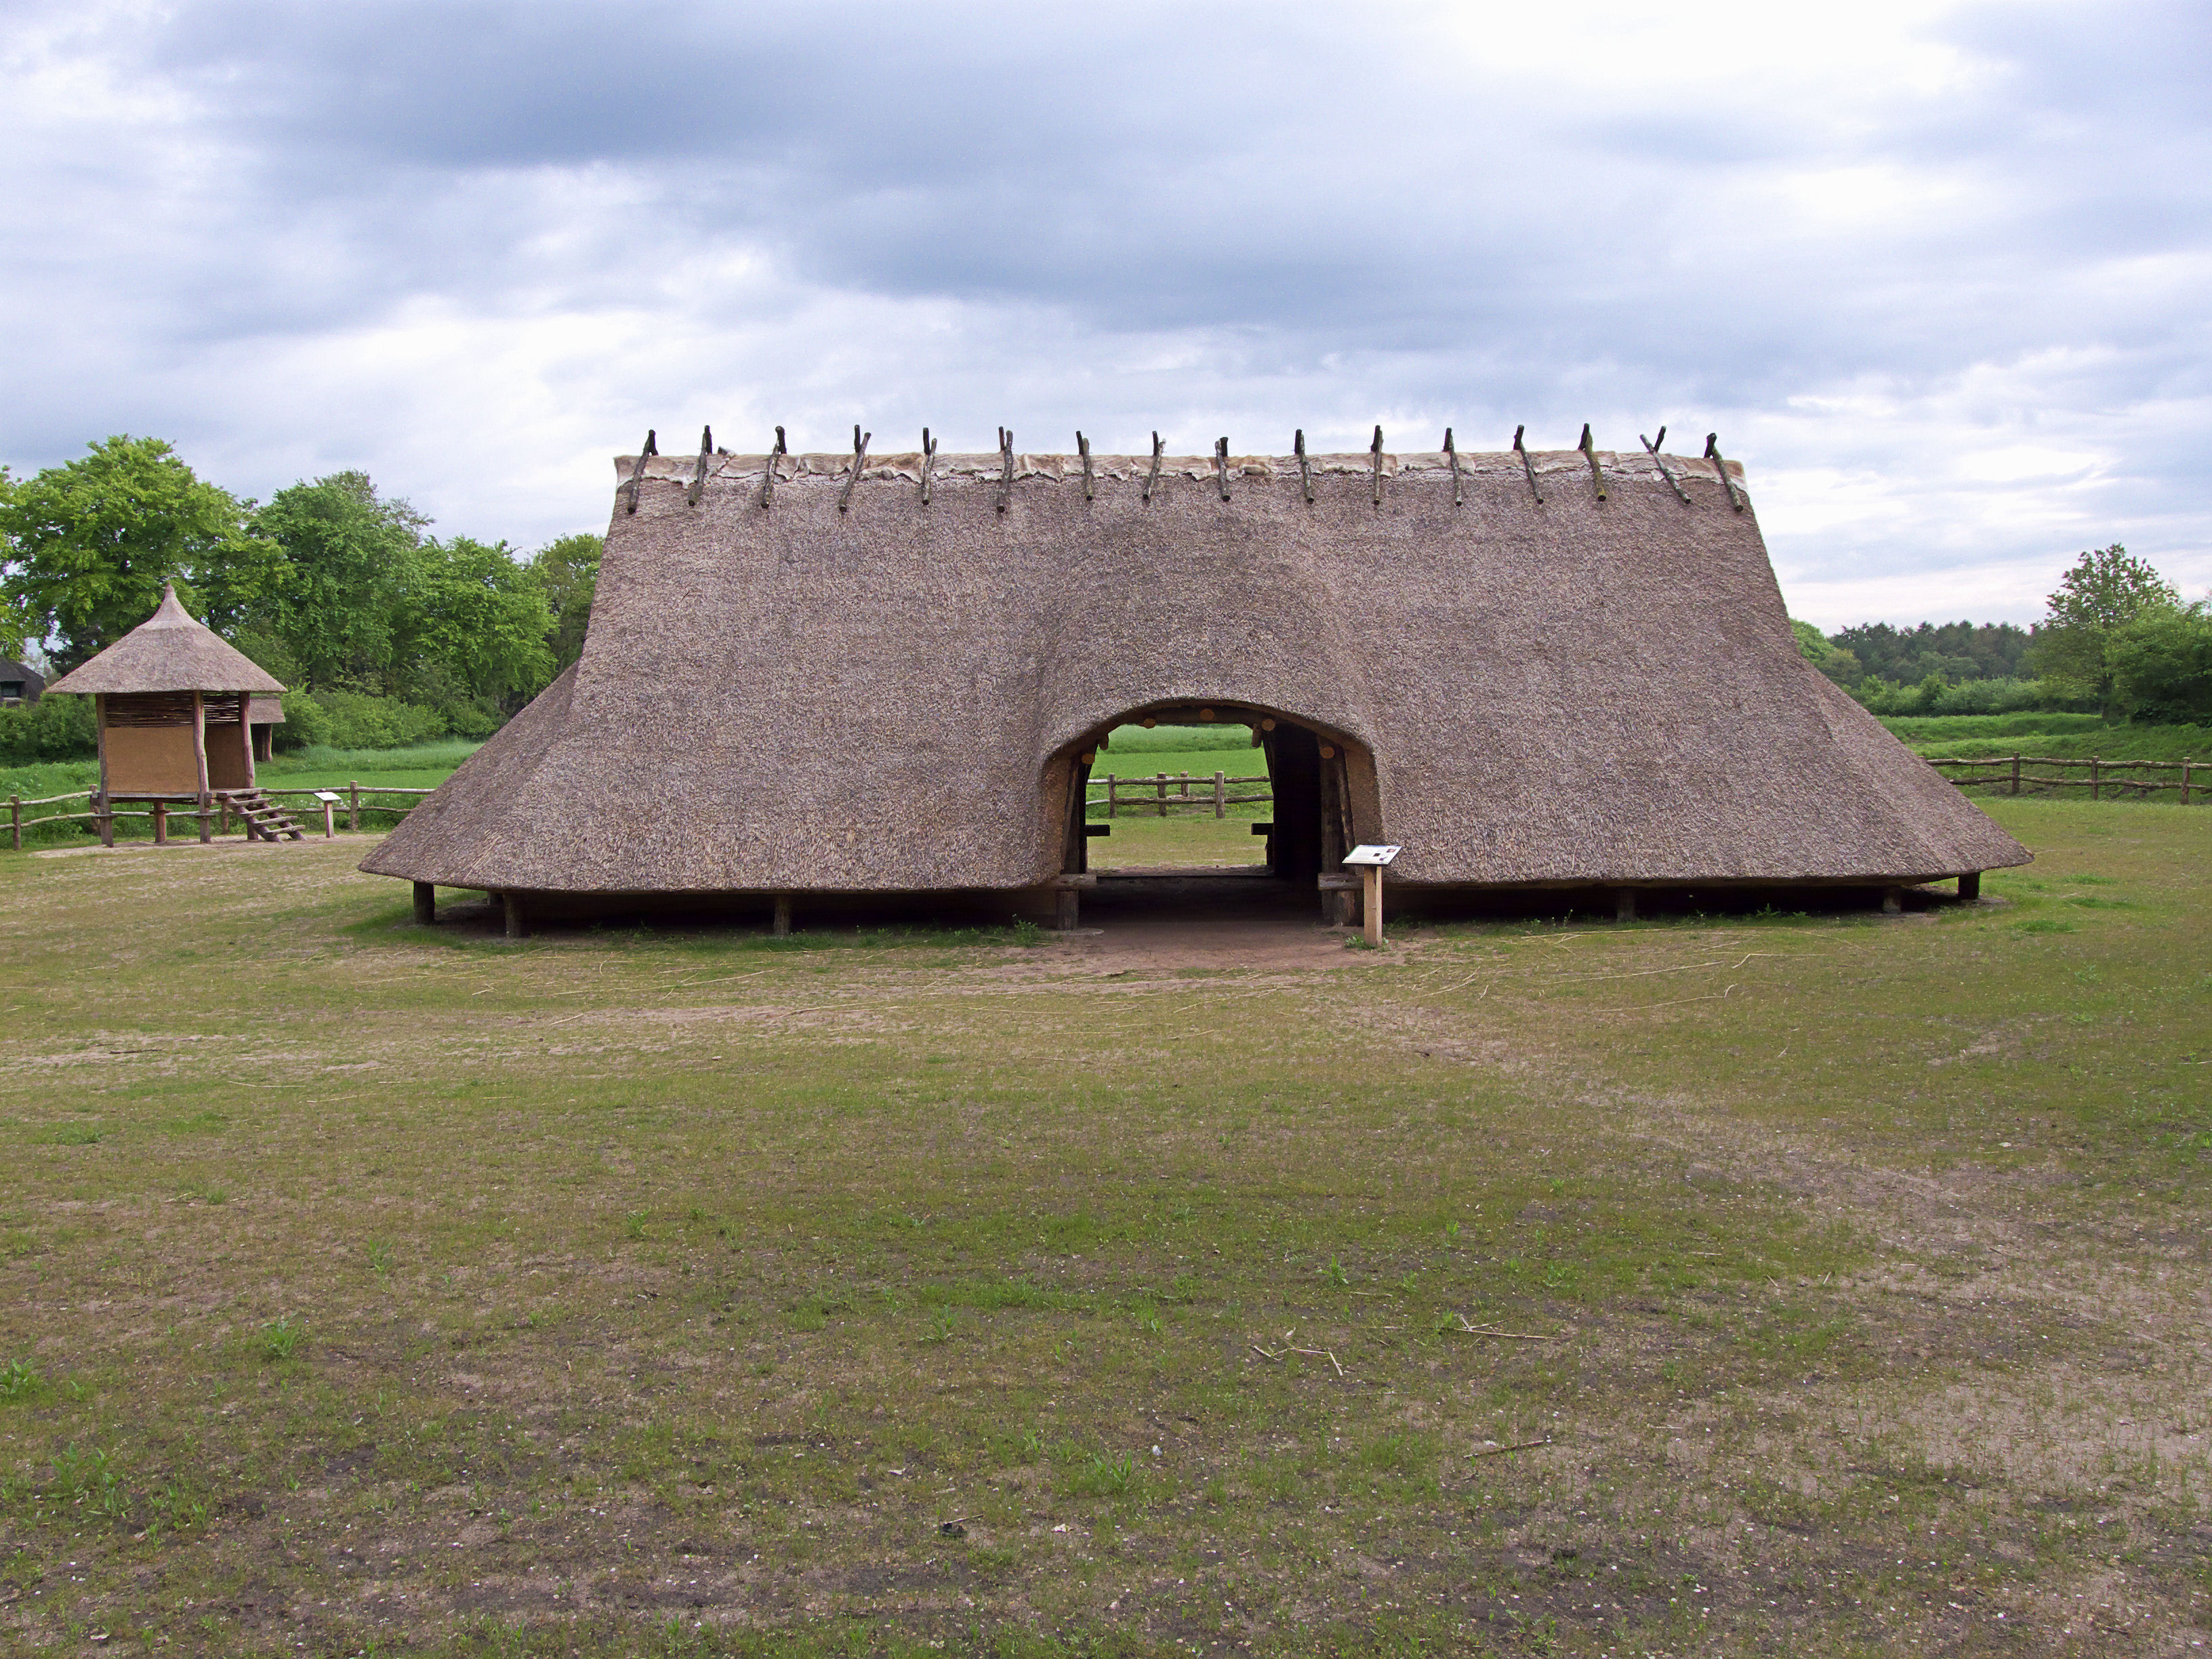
<point x="162" y="695"/>
<point x="107" y="819"/>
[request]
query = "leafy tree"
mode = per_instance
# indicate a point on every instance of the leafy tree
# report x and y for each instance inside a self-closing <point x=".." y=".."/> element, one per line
<point x="88" y="543"/>
<point x="1839" y="666"/>
<point x="568" y="573"/>
<point x="2160" y="662"/>
<point x="350" y="563"/>
<point x="2106" y="589"/>
<point x="477" y="620"/>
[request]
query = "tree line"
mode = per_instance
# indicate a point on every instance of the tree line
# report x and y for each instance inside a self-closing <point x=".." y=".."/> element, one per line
<point x="386" y="633"/>
<point x="389" y="635"/>
<point x="2116" y="639"/>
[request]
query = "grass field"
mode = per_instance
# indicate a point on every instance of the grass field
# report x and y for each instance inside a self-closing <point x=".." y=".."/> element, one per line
<point x="1187" y="835"/>
<point x="1836" y="1286"/>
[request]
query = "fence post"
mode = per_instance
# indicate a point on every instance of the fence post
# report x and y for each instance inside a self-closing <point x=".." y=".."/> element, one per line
<point x="1162" y="786"/>
<point x="107" y="820"/>
<point x="161" y="823"/>
<point x="353" y="812"/>
<point x="2096" y="790"/>
<point x="2184" y="786"/>
<point x="1221" y="794"/>
<point x="1113" y="796"/>
<point x="2015" y="775"/>
<point x="15" y="812"/>
<point x="224" y="801"/>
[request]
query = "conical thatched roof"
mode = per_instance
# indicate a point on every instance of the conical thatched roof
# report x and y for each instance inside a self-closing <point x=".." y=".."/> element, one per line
<point x="859" y="690"/>
<point x="168" y="652"/>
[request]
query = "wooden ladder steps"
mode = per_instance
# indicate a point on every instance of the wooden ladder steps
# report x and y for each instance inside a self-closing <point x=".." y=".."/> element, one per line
<point x="262" y="817"/>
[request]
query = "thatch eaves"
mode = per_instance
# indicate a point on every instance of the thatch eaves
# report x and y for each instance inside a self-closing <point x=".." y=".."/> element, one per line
<point x="168" y="652"/>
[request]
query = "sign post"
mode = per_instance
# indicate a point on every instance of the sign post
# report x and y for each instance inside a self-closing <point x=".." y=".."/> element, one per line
<point x="1370" y="861"/>
<point x="330" y="800"/>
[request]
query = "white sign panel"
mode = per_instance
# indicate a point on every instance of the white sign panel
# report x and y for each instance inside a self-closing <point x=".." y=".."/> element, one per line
<point x="1374" y="855"/>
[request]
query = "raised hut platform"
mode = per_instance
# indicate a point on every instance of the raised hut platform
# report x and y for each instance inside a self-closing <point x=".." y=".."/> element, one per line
<point x="880" y="674"/>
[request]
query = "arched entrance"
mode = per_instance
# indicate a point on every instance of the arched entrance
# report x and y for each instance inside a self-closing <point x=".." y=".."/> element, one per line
<point x="1320" y="781"/>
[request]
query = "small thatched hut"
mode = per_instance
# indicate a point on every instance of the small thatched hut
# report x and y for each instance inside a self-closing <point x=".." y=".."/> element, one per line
<point x="174" y="713"/>
<point x="806" y="676"/>
<point x="20" y="684"/>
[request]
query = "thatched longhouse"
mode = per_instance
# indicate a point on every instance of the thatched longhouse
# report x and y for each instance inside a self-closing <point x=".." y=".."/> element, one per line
<point x="1570" y="669"/>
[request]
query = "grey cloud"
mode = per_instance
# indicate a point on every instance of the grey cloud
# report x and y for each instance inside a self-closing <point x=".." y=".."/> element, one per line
<point x="1311" y="216"/>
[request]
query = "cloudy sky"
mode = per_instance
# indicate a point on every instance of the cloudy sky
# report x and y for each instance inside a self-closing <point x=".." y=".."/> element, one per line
<point x="1938" y="275"/>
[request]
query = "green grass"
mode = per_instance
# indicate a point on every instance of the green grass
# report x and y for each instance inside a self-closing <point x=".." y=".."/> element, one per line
<point x="2062" y="737"/>
<point x="421" y="765"/>
<point x="1944" y="728"/>
<point x="1127" y="741"/>
<point x="1189" y="835"/>
<point x="370" y="1286"/>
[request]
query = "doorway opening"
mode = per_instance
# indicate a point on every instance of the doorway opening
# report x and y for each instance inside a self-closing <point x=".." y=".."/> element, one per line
<point x="1220" y="789"/>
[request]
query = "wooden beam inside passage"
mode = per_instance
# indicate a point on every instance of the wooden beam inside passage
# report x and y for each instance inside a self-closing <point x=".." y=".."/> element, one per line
<point x="426" y="903"/>
<point x="1294" y="778"/>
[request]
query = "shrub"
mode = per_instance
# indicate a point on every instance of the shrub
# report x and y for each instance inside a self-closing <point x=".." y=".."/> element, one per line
<point x="51" y="729"/>
<point x="2160" y="664"/>
<point x="1936" y="695"/>
<point x="353" y="720"/>
<point x="305" y="723"/>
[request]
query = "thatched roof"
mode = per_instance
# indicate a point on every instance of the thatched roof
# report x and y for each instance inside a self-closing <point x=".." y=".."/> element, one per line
<point x="794" y="696"/>
<point x="168" y="652"/>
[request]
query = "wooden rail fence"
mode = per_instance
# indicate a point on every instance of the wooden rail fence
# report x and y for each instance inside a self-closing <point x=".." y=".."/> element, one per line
<point x="161" y="812"/>
<point x="2010" y="773"/>
<point x="1154" y="793"/>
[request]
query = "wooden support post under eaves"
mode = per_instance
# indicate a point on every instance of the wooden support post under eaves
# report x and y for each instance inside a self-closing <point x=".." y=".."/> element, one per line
<point x="1970" y="884"/>
<point x="426" y="903"/>
<point x="782" y="924"/>
<point x="107" y="805"/>
<point x="199" y="755"/>
<point x="1624" y="904"/>
<point x="518" y="924"/>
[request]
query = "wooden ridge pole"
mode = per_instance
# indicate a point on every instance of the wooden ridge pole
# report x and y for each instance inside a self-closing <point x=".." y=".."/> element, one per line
<point x="1589" y="447"/>
<point x="1527" y="466"/>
